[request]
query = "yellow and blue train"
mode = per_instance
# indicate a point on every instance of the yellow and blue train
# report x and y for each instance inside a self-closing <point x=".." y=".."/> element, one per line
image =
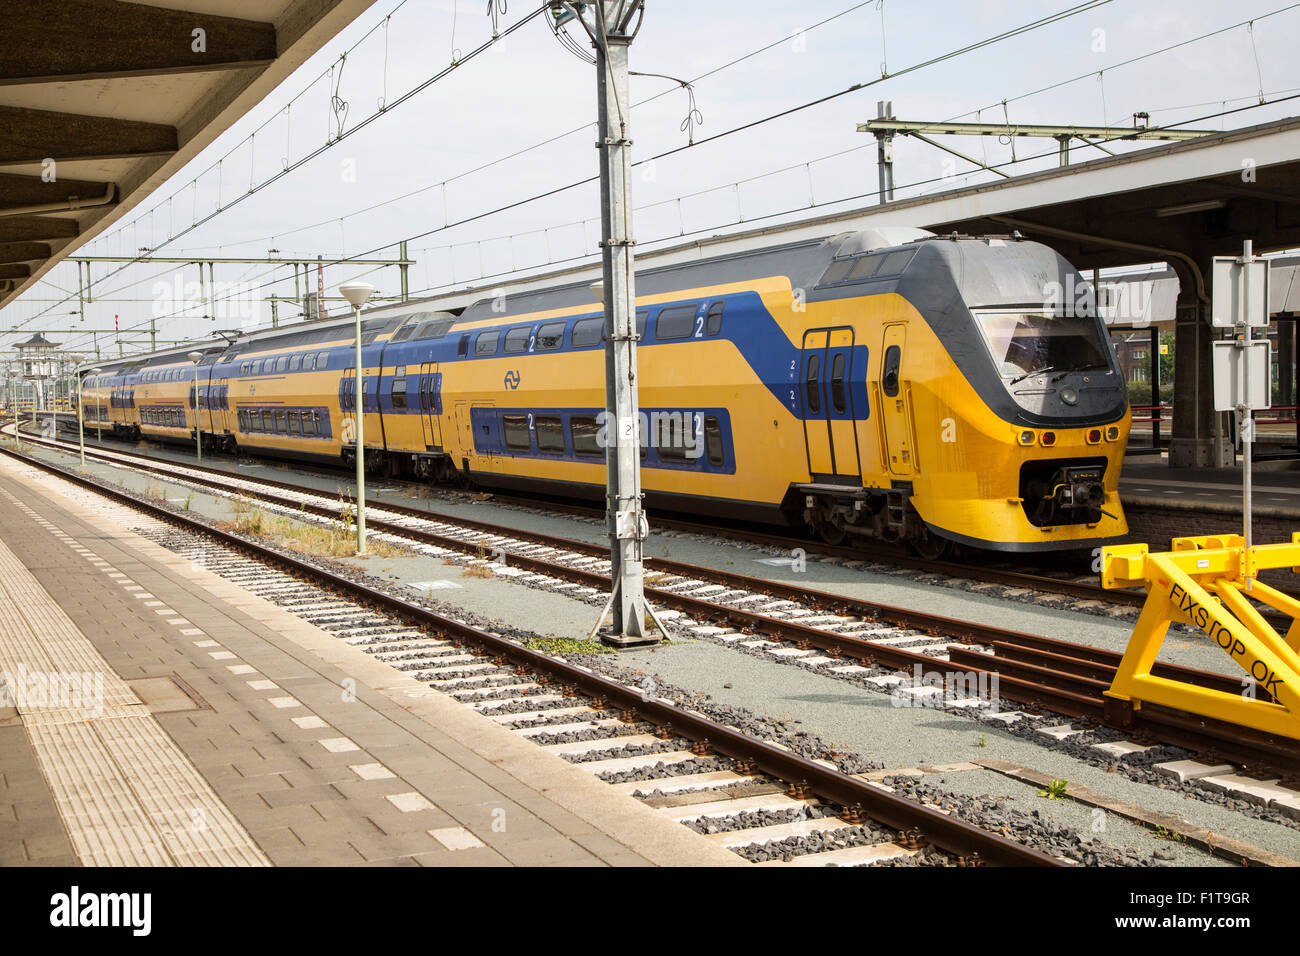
<point x="927" y="392"/>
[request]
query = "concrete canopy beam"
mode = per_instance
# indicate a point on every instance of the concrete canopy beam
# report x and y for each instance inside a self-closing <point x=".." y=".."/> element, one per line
<point x="23" y="251"/>
<point x="20" y="228"/>
<point x="93" y="39"/>
<point x="18" y="191"/>
<point x="15" y="271"/>
<point x="32" y="136"/>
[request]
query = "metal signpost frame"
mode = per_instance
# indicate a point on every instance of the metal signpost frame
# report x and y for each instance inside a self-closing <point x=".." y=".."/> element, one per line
<point x="1240" y="301"/>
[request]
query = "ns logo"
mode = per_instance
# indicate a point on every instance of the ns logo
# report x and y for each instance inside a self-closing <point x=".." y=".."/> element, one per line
<point x="512" y="379"/>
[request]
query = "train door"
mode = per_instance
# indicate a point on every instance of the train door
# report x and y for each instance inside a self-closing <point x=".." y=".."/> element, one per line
<point x="220" y="421"/>
<point x="826" y="388"/>
<point x="348" y="402"/>
<point x="895" y="415"/>
<point x="431" y="404"/>
<point x="464" y="429"/>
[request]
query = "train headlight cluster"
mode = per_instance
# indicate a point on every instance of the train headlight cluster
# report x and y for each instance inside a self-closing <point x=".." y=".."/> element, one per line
<point x="1094" y="436"/>
<point x="1070" y="396"/>
<point x="1026" y="437"/>
<point x="1048" y="439"/>
<point x="1112" y="433"/>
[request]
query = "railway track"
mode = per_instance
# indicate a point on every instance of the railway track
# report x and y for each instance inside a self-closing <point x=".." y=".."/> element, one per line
<point x="849" y="636"/>
<point x="756" y="797"/>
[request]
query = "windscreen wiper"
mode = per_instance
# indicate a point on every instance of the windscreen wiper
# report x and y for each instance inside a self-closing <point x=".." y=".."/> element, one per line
<point x="1037" y="371"/>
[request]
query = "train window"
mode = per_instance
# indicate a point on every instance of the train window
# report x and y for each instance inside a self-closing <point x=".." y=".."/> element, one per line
<point x="588" y="332"/>
<point x="282" y="363"/>
<point x="309" y="423"/>
<point x="517" y="339"/>
<point x="402" y="334"/>
<point x="435" y="328"/>
<point x="295" y="362"/>
<point x="486" y="343"/>
<point x="516" y="429"/>
<point x="713" y="321"/>
<point x="243" y="420"/>
<point x="896" y="262"/>
<point x="671" y="434"/>
<point x="676" y="322"/>
<point x="837" y="383"/>
<point x="399" y="392"/>
<point x="550" y="433"/>
<point x="309" y="362"/>
<point x="295" y="422"/>
<point x="322" y="360"/>
<point x="267" y="421"/>
<point x="550" y="336"/>
<point x="812" y="383"/>
<point x="837" y="270"/>
<point x="866" y="267"/>
<point x="713" y="439"/>
<point x="462" y="348"/>
<point x="280" y="428"/>
<point x="889" y="370"/>
<point x="584" y="432"/>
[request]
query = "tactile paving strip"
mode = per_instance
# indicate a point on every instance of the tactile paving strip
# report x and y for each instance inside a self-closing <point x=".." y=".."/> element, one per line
<point x="127" y="794"/>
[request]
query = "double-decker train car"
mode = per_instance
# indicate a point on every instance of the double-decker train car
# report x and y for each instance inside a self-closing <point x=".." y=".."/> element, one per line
<point x="929" y="391"/>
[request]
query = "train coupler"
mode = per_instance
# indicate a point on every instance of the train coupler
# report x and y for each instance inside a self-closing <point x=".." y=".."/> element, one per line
<point x="1207" y="582"/>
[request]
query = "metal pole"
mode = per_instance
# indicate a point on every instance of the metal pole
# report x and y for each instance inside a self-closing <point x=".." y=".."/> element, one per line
<point x="625" y="520"/>
<point x="1245" y="423"/>
<point x="1157" y="412"/>
<point x="404" y="269"/>
<point x="81" y="422"/>
<point x="361" y="445"/>
<point x="198" y="420"/>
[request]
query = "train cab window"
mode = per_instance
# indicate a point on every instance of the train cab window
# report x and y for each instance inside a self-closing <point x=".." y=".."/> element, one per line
<point x="309" y="423"/>
<point x="550" y="433"/>
<point x="713" y="439"/>
<point x="896" y="262"/>
<point x="713" y="320"/>
<point x="516" y="430"/>
<point x="837" y="383"/>
<point x="322" y="360"/>
<point x="280" y="427"/>
<point x="550" y="336"/>
<point x="866" y="267"/>
<point x="517" y="339"/>
<point x="486" y="343"/>
<point x="837" y="270"/>
<point x="588" y="332"/>
<point x="462" y="347"/>
<point x="889" y="370"/>
<point x="295" y="422"/>
<point x="675" y="322"/>
<point x="295" y="362"/>
<point x="399" y="392"/>
<point x="812" y="383"/>
<point x="583" y="432"/>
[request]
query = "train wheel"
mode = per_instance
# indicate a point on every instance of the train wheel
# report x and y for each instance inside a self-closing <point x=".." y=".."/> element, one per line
<point x="930" y="546"/>
<point x="832" y="533"/>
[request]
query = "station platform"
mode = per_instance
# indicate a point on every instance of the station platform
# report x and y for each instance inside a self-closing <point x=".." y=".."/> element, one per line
<point x="1148" y="481"/>
<point x="154" y="713"/>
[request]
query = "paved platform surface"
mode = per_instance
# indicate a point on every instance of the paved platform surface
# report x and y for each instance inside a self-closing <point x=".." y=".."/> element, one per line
<point x="1149" y="480"/>
<point x="217" y="728"/>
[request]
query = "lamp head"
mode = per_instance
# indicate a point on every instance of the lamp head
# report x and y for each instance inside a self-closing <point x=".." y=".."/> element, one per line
<point x="195" y="356"/>
<point x="356" y="293"/>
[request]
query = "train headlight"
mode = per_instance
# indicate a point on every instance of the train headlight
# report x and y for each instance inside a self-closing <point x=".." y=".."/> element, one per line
<point x="1069" y="396"/>
<point x="1094" y="436"/>
<point x="1026" y="437"/>
<point x="1112" y="433"/>
<point x="1048" y="439"/>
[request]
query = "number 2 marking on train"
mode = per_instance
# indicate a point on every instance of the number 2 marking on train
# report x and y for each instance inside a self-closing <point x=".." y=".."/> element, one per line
<point x="699" y="326"/>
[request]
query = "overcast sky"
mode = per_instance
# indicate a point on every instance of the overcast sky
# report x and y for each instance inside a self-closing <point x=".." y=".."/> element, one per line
<point x="530" y="89"/>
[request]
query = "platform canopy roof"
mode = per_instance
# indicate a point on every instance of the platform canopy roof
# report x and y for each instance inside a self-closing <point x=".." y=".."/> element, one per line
<point x="101" y="101"/>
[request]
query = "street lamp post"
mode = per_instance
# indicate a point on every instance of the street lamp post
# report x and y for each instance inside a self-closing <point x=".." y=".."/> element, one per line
<point x="198" y="421"/>
<point x="81" y="414"/>
<point x="357" y="293"/>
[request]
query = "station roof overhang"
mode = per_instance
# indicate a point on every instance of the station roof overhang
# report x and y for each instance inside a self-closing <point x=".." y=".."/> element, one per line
<point x="1176" y="202"/>
<point x="101" y="101"/>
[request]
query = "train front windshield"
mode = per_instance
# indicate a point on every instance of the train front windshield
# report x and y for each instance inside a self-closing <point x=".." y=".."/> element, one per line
<point x="1027" y="343"/>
